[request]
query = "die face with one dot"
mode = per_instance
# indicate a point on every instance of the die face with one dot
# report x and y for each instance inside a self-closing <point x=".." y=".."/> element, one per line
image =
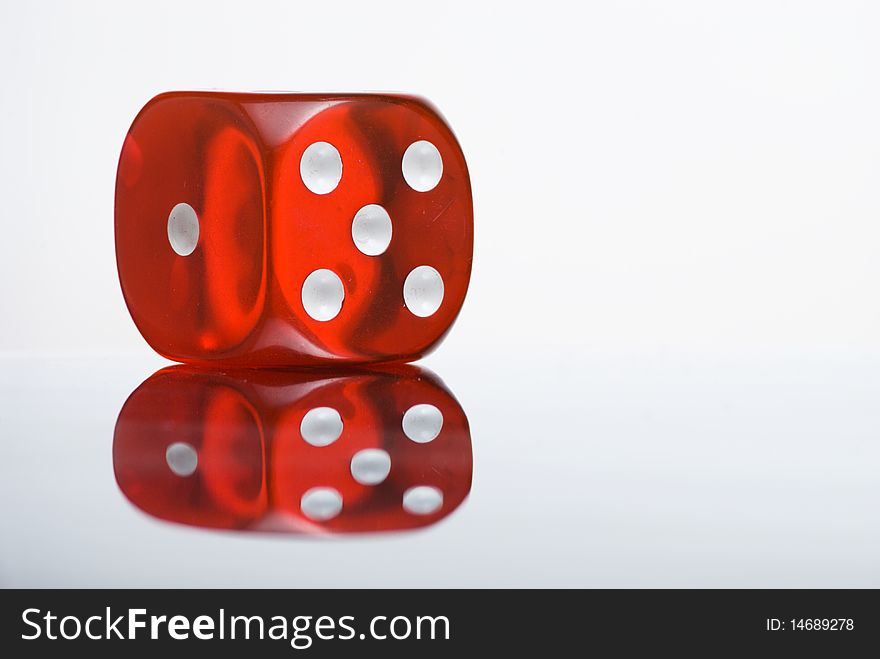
<point x="292" y="229"/>
<point x="294" y="452"/>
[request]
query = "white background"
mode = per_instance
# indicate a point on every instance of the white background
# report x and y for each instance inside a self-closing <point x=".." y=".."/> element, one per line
<point x="670" y="352"/>
<point x="645" y="174"/>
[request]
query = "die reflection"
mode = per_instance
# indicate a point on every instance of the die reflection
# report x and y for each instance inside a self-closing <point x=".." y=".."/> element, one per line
<point x="293" y="451"/>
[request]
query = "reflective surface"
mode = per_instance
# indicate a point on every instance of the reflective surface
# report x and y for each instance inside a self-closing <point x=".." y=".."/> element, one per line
<point x="292" y="452"/>
<point x="589" y="469"/>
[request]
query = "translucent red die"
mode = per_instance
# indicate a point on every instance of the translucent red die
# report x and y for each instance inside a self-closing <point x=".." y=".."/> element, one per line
<point x="294" y="451"/>
<point x="292" y="229"/>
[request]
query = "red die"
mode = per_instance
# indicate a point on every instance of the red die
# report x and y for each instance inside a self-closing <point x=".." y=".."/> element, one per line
<point x="294" y="452"/>
<point x="292" y="229"/>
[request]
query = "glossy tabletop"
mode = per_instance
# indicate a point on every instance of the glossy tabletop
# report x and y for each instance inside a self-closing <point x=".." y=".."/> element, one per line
<point x="592" y="469"/>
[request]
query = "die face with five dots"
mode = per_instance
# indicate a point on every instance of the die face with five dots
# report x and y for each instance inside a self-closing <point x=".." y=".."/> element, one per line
<point x="307" y="451"/>
<point x="292" y="229"/>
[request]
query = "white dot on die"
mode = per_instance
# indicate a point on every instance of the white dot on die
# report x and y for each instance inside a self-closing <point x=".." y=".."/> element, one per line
<point x="182" y="459"/>
<point x="321" y="426"/>
<point x="423" y="291"/>
<point x="422" y="166"/>
<point x="321" y="167"/>
<point x="322" y="294"/>
<point x="183" y="229"/>
<point x="422" y="423"/>
<point x="422" y="500"/>
<point x="371" y="229"/>
<point x="321" y="503"/>
<point x="370" y="466"/>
